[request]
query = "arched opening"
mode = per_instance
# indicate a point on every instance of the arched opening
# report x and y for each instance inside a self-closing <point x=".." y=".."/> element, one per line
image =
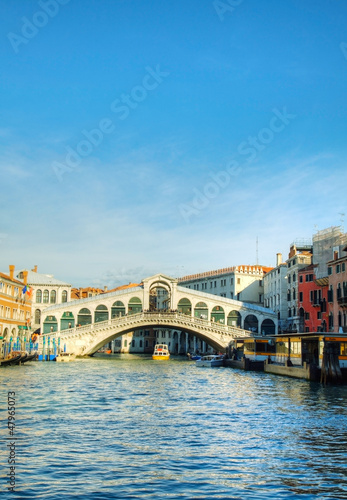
<point x="64" y="296"/>
<point x="159" y="296"/>
<point x="67" y="321"/>
<point x="50" y="324"/>
<point x="6" y="335"/>
<point x="84" y="317"/>
<point x="234" y="319"/>
<point x="185" y="307"/>
<point x="53" y="297"/>
<point x="37" y="317"/>
<point x="117" y="309"/>
<point x="100" y="314"/>
<point x="135" y="306"/>
<point x="268" y="327"/>
<point x="39" y="296"/>
<point x="218" y="315"/>
<point x="201" y="310"/>
<point x="251" y="323"/>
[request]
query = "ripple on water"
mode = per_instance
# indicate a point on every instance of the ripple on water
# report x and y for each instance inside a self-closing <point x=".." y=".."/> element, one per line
<point x="127" y="427"/>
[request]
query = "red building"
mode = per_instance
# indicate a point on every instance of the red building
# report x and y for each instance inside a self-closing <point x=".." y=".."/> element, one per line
<point x="312" y="301"/>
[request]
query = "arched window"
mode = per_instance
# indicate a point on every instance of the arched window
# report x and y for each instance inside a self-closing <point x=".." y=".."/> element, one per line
<point x="64" y="296"/>
<point x="37" y="316"/>
<point x="46" y="297"/>
<point x="53" y="297"/>
<point x="39" y="296"/>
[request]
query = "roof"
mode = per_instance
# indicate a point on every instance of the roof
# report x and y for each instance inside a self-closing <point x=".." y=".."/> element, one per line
<point x="125" y="287"/>
<point x="227" y="270"/>
<point x="41" y="279"/>
<point x="7" y="277"/>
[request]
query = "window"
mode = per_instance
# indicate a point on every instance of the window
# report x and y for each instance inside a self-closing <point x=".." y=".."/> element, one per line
<point x="337" y="268"/>
<point x="330" y="270"/>
<point x="64" y="296"/>
<point x="343" y="267"/>
<point x="289" y="278"/>
<point x="239" y="281"/>
<point x="294" y="278"/>
<point x="215" y="284"/>
<point x="301" y="278"/>
<point x="37" y="316"/>
<point x="45" y="296"/>
<point x="39" y="296"/>
<point x="53" y="297"/>
<point x="301" y="296"/>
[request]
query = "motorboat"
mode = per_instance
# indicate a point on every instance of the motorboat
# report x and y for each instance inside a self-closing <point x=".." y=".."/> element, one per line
<point x="193" y="357"/>
<point x="211" y="360"/>
<point x="161" y="352"/>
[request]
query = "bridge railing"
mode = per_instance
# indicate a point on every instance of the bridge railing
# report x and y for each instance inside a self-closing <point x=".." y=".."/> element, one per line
<point x="150" y="318"/>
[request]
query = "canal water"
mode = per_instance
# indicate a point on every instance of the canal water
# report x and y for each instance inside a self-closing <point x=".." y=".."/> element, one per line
<point x="127" y="427"/>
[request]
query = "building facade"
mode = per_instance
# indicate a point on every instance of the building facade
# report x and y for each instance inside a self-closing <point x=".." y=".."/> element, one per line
<point x="15" y="308"/>
<point x="312" y="301"/>
<point x="337" y="297"/>
<point x="275" y="291"/>
<point x="46" y="291"/>
<point x="243" y="283"/>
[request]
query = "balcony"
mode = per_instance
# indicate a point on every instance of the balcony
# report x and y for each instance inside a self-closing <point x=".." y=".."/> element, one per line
<point x="342" y="301"/>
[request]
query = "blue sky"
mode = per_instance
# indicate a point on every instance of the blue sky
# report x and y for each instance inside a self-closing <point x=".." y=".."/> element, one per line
<point x="151" y="136"/>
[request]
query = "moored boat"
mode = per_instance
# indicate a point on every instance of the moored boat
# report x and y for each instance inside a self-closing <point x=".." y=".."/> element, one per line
<point x="211" y="360"/>
<point x="65" y="357"/>
<point x="161" y="352"/>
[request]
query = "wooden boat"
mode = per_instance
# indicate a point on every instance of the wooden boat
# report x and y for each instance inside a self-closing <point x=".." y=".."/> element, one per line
<point x="211" y="361"/>
<point x="30" y="357"/>
<point x="65" y="357"/>
<point x="11" y="360"/>
<point x="161" y="352"/>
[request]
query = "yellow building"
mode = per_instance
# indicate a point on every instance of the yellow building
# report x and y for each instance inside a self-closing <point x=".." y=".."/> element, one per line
<point x="15" y="308"/>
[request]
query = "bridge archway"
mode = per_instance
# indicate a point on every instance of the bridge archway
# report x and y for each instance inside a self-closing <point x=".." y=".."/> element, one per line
<point x="160" y="295"/>
<point x="134" y="306"/>
<point x="218" y="315"/>
<point x="185" y="306"/>
<point x="84" y="317"/>
<point x="251" y="323"/>
<point x="101" y="313"/>
<point x="117" y="309"/>
<point x="201" y="310"/>
<point x="268" y="327"/>
<point x="234" y="319"/>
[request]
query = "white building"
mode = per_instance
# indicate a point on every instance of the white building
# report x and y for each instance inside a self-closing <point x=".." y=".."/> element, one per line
<point x="244" y="283"/>
<point x="46" y="291"/>
<point x="275" y="291"/>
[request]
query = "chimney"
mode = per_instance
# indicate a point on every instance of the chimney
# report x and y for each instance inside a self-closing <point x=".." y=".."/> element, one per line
<point x="81" y="293"/>
<point x="11" y="272"/>
<point x="25" y="277"/>
<point x="105" y="289"/>
<point x="278" y="259"/>
<point x="34" y="270"/>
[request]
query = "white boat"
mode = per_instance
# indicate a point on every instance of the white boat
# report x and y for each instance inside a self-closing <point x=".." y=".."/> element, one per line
<point x="210" y="361"/>
<point x="64" y="357"/>
<point x="161" y="352"/>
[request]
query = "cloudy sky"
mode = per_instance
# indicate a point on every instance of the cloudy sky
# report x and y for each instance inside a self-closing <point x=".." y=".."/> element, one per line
<point x="167" y="136"/>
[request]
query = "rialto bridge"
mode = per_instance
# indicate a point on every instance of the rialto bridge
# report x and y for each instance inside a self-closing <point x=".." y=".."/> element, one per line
<point x="85" y="325"/>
